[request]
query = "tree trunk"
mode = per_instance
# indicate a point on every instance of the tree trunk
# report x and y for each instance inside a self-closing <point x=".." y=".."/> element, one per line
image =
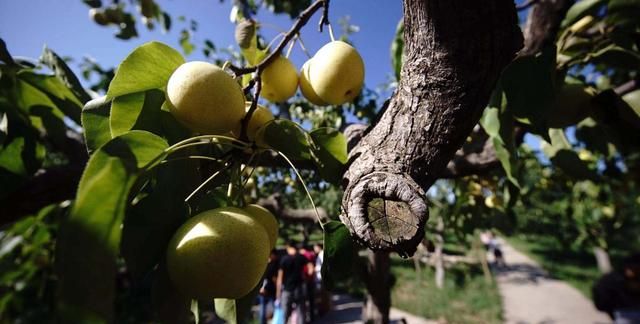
<point x="602" y="258"/>
<point x="378" y="282"/>
<point x="455" y="51"/>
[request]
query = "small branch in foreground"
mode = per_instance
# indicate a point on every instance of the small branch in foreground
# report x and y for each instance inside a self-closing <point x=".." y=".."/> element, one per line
<point x="302" y="20"/>
<point x="257" y="69"/>
<point x="627" y="87"/>
<point x="325" y="16"/>
<point x="254" y="105"/>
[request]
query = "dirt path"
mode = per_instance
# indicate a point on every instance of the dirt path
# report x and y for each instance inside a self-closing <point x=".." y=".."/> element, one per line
<point x="347" y="310"/>
<point x="530" y="296"/>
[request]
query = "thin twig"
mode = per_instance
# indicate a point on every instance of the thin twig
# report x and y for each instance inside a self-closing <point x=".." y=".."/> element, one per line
<point x="302" y="20"/>
<point x="213" y="176"/>
<point x="325" y="16"/>
<point x="252" y="108"/>
<point x="258" y="68"/>
<point x="315" y="209"/>
<point x="291" y="47"/>
<point x="304" y="48"/>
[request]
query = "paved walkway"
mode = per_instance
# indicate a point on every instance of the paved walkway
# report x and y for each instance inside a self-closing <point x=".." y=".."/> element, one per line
<point x="530" y="296"/>
<point x="347" y="310"/>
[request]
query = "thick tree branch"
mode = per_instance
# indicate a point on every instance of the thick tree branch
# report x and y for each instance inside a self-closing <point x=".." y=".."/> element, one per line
<point x="455" y="51"/>
<point x="47" y="186"/>
<point x="275" y="205"/>
<point x="543" y="24"/>
<point x="474" y="157"/>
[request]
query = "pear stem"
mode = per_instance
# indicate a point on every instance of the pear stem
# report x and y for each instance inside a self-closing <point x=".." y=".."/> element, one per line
<point x="333" y="39"/>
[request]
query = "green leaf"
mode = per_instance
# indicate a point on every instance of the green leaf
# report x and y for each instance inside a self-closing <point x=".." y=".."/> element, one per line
<point x="172" y="129"/>
<point x="623" y="5"/>
<point x="185" y="42"/>
<point x="147" y="67"/>
<point x="498" y="123"/>
<point x="330" y="153"/>
<point x="29" y="96"/>
<point x="632" y="99"/>
<point x="616" y="56"/>
<point x="89" y="239"/>
<point x="57" y="92"/>
<point x="137" y="111"/>
<point x="339" y="254"/>
<point x="581" y="9"/>
<point x="562" y="155"/>
<point x="95" y="121"/>
<point x="237" y="311"/>
<point x="54" y="125"/>
<point x="287" y="137"/>
<point x="570" y="163"/>
<point x="397" y="49"/>
<point x="124" y="112"/>
<point x="168" y="304"/>
<point x="151" y="222"/>
<point x="619" y="119"/>
<point x="529" y="85"/>
<point x="64" y="74"/>
<point x="11" y="159"/>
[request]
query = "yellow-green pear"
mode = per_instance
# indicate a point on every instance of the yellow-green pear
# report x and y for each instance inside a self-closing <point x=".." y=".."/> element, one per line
<point x="336" y="73"/>
<point x="305" y="86"/>
<point x="205" y="98"/>
<point x="260" y="117"/>
<point x="267" y="219"/>
<point x="220" y="253"/>
<point x="279" y="80"/>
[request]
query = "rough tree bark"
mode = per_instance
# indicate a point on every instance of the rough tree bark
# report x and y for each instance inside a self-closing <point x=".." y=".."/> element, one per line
<point x="378" y="283"/>
<point x="543" y="24"/>
<point x="290" y="215"/>
<point x="455" y="51"/>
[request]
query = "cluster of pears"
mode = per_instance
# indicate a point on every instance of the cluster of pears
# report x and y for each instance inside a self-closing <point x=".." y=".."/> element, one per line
<point x="222" y="253"/>
<point x="206" y="99"/>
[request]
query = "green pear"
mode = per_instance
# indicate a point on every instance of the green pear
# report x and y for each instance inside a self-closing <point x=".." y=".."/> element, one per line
<point x="279" y="80"/>
<point x="305" y="86"/>
<point x="336" y="73"/>
<point x="220" y="253"/>
<point x="205" y="98"/>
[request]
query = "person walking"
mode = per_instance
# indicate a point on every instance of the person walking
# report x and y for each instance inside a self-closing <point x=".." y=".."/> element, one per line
<point x="268" y="289"/>
<point x="289" y="285"/>
<point x="308" y="275"/>
<point x="618" y="292"/>
<point x="324" y="303"/>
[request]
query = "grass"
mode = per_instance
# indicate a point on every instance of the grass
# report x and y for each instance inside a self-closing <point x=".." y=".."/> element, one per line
<point x="465" y="297"/>
<point x="577" y="268"/>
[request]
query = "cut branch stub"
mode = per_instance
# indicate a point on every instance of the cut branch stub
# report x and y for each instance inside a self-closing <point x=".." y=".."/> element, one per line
<point x="388" y="212"/>
<point x="455" y="51"/>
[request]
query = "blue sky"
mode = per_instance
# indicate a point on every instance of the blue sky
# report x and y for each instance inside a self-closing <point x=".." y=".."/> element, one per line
<point x="64" y="25"/>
